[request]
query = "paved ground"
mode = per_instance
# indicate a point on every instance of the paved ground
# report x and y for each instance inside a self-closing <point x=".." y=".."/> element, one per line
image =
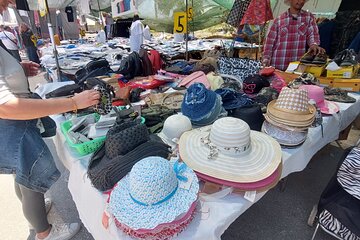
<point x="278" y="215"/>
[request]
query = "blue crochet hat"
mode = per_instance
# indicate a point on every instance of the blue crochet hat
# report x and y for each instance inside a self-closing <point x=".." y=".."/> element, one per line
<point x="198" y="102"/>
<point x="154" y="192"/>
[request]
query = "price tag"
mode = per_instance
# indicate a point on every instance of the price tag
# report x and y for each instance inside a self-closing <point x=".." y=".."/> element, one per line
<point x="180" y="22"/>
<point x="190" y="13"/>
<point x="250" y="196"/>
<point x="186" y="185"/>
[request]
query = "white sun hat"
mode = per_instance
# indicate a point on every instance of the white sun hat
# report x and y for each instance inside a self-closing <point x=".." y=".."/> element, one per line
<point x="230" y="151"/>
<point x="174" y="127"/>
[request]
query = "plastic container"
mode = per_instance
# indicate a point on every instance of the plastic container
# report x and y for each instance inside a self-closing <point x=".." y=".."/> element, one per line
<point x="87" y="147"/>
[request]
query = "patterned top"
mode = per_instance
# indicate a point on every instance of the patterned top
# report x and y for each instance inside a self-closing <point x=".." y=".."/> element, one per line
<point x="287" y="38"/>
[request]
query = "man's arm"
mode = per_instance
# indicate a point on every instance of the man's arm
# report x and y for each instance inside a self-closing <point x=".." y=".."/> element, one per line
<point x="269" y="43"/>
<point x="313" y="37"/>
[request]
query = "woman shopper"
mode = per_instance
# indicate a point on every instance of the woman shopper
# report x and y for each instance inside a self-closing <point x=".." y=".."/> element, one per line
<point x="23" y="151"/>
<point x="29" y="41"/>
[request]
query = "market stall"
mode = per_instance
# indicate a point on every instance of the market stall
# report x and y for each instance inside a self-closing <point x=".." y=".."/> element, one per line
<point x="214" y="213"/>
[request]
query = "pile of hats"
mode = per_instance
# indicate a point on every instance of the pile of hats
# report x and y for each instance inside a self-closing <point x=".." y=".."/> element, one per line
<point x="289" y="117"/>
<point x="229" y="153"/>
<point x="127" y="142"/>
<point x="156" y="200"/>
<point x="202" y="106"/>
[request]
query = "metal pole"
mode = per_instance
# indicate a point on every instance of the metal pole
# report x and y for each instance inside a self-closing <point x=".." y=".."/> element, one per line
<point x="187" y="33"/>
<point x="100" y="17"/>
<point x="51" y="33"/>
<point x="193" y="19"/>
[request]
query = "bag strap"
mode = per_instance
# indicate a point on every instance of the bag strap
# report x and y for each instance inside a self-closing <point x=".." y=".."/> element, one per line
<point x="9" y="38"/>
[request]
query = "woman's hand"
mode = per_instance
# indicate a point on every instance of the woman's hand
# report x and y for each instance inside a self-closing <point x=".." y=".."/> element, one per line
<point x="30" y="68"/>
<point x="86" y="99"/>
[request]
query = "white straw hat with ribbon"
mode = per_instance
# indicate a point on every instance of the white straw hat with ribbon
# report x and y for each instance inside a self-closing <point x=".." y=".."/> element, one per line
<point x="229" y="150"/>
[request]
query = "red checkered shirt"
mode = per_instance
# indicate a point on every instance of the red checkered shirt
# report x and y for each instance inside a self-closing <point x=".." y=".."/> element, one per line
<point x="287" y="38"/>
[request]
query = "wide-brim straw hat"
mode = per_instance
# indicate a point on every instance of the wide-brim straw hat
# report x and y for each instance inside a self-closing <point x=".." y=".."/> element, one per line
<point x="259" y="186"/>
<point x="228" y="150"/>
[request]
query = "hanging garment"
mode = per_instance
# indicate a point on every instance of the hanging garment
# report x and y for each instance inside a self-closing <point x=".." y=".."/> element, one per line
<point x="346" y="28"/>
<point x="258" y="13"/>
<point x="70" y="13"/>
<point x="22" y="5"/>
<point x="42" y="8"/>
<point x="36" y="18"/>
<point x="237" y="12"/>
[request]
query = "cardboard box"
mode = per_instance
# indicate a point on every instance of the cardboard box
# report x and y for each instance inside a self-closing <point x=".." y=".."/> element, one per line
<point x="347" y="84"/>
<point x="344" y="72"/>
<point x="315" y="70"/>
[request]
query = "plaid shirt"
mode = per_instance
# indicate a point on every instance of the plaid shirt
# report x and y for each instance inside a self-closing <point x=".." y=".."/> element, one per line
<point x="287" y="38"/>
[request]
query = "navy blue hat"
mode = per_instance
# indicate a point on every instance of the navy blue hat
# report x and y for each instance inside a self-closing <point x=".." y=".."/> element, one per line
<point x="232" y="99"/>
<point x="198" y="102"/>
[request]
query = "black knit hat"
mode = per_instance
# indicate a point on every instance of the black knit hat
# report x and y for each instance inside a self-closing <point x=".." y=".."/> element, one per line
<point x="104" y="172"/>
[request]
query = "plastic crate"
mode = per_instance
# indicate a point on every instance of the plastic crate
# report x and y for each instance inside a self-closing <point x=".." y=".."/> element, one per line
<point x="86" y="147"/>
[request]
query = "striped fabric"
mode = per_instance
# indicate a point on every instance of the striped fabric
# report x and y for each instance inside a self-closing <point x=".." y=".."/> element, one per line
<point x="349" y="173"/>
<point x="330" y="223"/>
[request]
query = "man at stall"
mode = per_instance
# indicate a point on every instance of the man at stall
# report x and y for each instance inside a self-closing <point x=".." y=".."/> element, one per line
<point x="289" y="36"/>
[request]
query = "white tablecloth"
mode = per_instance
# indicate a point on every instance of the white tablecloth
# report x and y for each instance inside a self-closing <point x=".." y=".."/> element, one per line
<point x="214" y="215"/>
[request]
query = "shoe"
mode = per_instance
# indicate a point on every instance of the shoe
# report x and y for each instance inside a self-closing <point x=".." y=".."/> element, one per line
<point x="48" y="204"/>
<point x="320" y="58"/>
<point x="307" y="58"/>
<point x="349" y="58"/>
<point x="339" y="57"/>
<point x="62" y="231"/>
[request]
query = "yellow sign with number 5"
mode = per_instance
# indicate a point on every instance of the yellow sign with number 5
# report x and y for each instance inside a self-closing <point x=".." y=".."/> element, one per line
<point x="180" y="22"/>
<point x="190" y="13"/>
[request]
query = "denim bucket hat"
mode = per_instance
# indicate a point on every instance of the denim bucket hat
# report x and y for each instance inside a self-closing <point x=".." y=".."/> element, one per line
<point x="232" y="99"/>
<point x="156" y="191"/>
<point x="198" y="102"/>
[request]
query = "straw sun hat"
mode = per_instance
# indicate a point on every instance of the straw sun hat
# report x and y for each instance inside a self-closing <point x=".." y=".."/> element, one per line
<point x="230" y="151"/>
<point x="292" y="108"/>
